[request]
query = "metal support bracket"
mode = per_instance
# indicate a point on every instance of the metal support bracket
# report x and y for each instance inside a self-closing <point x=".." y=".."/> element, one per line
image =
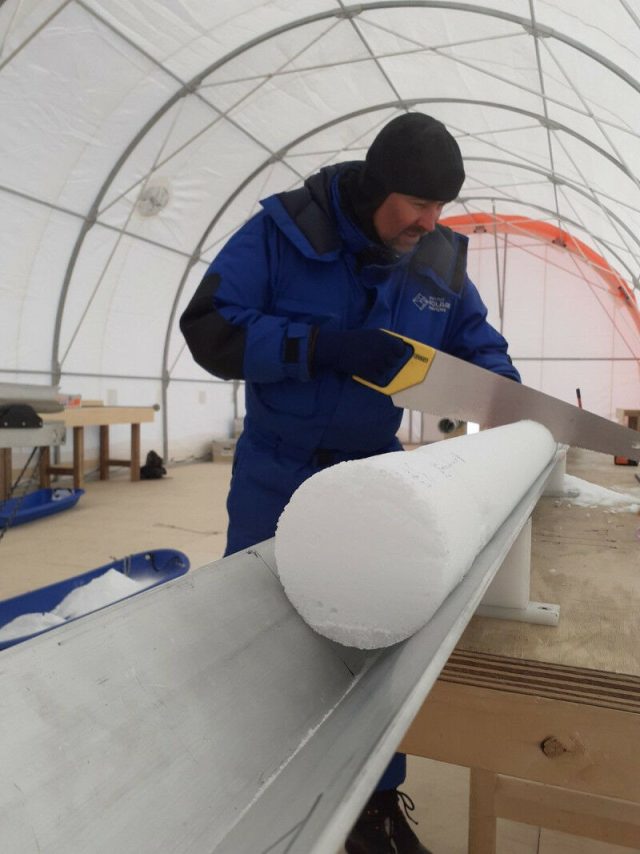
<point x="507" y="597"/>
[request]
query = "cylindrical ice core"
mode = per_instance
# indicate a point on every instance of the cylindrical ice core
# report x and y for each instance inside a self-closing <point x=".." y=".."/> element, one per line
<point x="367" y="550"/>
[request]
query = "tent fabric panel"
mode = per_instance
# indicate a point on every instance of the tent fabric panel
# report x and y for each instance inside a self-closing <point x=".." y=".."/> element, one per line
<point x="86" y="303"/>
<point x="432" y="29"/>
<point x="121" y="300"/>
<point x="309" y="99"/>
<point x="454" y="82"/>
<point x="180" y="363"/>
<point x="187" y="37"/>
<point x="346" y="138"/>
<point x="57" y="145"/>
<point x="601" y="87"/>
<point x="33" y="247"/>
<point x="20" y="19"/>
<point x="185" y="185"/>
<point x="179" y="126"/>
<point x="273" y="178"/>
<point x="615" y="36"/>
<point x="319" y="44"/>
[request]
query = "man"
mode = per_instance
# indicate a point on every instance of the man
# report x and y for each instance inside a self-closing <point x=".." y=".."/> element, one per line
<point x="294" y="304"/>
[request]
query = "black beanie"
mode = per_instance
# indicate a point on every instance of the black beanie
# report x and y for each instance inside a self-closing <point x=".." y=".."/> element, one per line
<point x="416" y="155"/>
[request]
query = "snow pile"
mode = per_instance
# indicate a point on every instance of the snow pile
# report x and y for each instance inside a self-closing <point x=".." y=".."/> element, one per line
<point x="587" y="494"/>
<point x="368" y="550"/>
<point x="29" y="624"/>
<point x="103" y="590"/>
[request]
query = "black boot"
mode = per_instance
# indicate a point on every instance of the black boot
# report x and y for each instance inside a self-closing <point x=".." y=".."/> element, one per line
<point x="382" y="827"/>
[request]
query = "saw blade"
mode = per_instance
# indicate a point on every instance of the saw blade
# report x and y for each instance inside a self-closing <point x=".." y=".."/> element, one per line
<point x="463" y="391"/>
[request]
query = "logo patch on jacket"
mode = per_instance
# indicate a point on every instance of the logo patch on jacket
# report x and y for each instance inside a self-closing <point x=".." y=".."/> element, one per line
<point x="423" y="301"/>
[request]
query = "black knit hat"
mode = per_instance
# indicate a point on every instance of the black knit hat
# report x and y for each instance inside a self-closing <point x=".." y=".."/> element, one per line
<point x="414" y="154"/>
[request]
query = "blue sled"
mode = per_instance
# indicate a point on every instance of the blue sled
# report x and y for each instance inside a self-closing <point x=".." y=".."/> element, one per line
<point x="36" y="505"/>
<point x="155" y="567"/>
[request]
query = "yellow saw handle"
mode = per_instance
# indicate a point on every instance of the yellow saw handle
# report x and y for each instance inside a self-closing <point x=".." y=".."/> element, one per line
<point x="412" y="372"/>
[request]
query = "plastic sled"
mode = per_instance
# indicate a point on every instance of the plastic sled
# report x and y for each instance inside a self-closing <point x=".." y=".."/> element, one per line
<point x="156" y="567"/>
<point x="37" y="505"/>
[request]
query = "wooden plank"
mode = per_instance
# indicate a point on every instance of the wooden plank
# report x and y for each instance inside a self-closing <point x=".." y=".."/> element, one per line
<point x="135" y="452"/>
<point x="60" y="469"/>
<point x="103" y="465"/>
<point x="45" y="470"/>
<point x="607" y="819"/>
<point x="5" y="473"/>
<point x="571" y="745"/>
<point x="94" y="416"/>
<point x="576" y="684"/>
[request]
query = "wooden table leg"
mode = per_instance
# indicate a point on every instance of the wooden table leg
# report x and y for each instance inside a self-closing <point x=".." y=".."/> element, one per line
<point x="45" y="462"/>
<point x="482" y="815"/>
<point x="135" y="452"/>
<point x="104" y="452"/>
<point x="5" y="473"/>
<point x="78" y="457"/>
<point x="577" y="813"/>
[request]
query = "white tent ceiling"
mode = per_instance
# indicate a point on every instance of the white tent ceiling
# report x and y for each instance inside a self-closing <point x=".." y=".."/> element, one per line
<point x="135" y="137"/>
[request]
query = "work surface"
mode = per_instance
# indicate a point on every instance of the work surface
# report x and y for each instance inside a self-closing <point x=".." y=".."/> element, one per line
<point x="183" y="511"/>
<point x="95" y="416"/>
<point x="588" y="561"/>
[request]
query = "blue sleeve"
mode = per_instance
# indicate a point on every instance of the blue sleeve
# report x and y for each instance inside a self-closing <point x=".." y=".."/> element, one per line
<point x="227" y="324"/>
<point x="470" y="336"/>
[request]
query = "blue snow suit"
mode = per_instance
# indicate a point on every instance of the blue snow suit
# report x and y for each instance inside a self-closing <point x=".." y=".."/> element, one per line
<point x="302" y="263"/>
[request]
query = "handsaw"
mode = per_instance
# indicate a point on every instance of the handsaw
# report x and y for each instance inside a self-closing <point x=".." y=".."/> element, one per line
<point x="435" y="382"/>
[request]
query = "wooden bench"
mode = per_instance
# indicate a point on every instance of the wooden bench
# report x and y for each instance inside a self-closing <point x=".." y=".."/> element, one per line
<point x="548" y="718"/>
<point x="103" y="417"/>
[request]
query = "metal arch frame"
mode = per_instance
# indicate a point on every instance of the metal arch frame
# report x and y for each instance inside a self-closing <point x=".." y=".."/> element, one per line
<point x="352" y="11"/>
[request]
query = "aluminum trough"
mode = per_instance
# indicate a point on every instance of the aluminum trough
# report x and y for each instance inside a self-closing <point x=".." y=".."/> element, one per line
<point x="205" y="716"/>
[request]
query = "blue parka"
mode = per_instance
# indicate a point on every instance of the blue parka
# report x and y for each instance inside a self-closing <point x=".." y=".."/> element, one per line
<point x="301" y="263"/>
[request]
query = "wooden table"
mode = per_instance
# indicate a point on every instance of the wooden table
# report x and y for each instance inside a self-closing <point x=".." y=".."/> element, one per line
<point x="30" y="437"/>
<point x="548" y="719"/>
<point x="629" y="417"/>
<point x="77" y="418"/>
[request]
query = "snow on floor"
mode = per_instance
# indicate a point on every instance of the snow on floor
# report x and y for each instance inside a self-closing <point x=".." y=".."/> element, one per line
<point x="587" y="494"/>
<point x="103" y="590"/>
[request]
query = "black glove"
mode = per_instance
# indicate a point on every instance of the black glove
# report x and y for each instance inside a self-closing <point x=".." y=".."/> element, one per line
<point x="368" y="353"/>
